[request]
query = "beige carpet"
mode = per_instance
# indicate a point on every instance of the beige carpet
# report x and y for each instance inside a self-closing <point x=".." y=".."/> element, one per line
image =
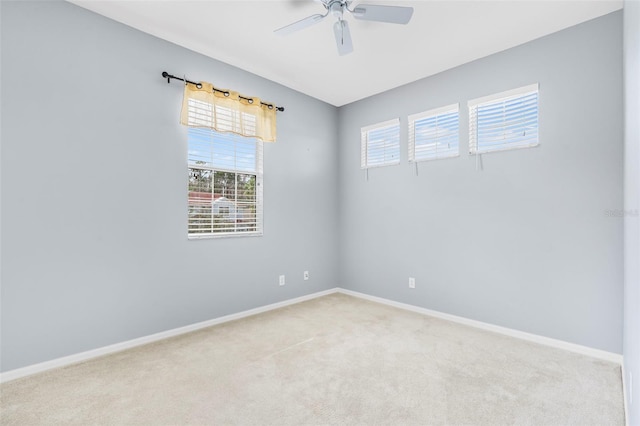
<point x="333" y="360"/>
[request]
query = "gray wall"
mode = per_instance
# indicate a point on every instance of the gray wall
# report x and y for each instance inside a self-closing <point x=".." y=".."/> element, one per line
<point x="94" y="178"/>
<point x="526" y="243"/>
<point x="632" y="204"/>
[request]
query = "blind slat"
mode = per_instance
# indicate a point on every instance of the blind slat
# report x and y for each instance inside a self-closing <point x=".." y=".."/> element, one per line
<point x="502" y="122"/>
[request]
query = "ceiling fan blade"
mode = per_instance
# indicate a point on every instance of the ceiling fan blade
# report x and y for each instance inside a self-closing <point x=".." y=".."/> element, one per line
<point x="301" y="24"/>
<point x="343" y="37"/>
<point x="390" y="14"/>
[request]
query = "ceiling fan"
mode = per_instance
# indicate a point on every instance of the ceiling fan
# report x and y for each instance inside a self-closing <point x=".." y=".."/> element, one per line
<point x="365" y="12"/>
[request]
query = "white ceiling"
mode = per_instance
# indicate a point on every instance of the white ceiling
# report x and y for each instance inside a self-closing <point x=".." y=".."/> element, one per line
<point x="440" y="36"/>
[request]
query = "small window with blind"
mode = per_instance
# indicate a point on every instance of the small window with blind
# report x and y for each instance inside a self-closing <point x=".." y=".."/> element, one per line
<point x="225" y="184"/>
<point x="434" y="134"/>
<point x="380" y="144"/>
<point x="507" y="120"/>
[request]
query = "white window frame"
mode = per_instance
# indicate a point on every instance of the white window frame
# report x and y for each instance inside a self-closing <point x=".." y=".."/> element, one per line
<point x="433" y="113"/>
<point x="496" y="99"/>
<point x="259" y="190"/>
<point x="390" y="145"/>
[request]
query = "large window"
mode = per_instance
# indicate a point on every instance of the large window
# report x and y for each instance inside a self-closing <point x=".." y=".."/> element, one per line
<point x="506" y="120"/>
<point x="225" y="184"/>
<point x="380" y="144"/>
<point x="433" y="134"/>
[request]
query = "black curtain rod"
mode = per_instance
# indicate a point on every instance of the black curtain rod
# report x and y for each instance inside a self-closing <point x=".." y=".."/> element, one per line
<point x="199" y="86"/>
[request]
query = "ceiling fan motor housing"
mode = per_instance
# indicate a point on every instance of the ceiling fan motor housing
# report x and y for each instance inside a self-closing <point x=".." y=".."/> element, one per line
<point x="336" y="8"/>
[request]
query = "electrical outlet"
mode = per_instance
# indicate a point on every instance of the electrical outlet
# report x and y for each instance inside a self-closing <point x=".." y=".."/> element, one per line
<point x="281" y="279"/>
<point x="306" y="275"/>
<point x="412" y="282"/>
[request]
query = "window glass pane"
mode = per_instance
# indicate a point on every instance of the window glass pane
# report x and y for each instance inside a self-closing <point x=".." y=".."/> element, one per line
<point x="245" y="154"/>
<point x="200" y="199"/>
<point x="221" y="150"/>
<point x="200" y="151"/>
<point x="246" y="202"/>
<point x="224" y="185"/>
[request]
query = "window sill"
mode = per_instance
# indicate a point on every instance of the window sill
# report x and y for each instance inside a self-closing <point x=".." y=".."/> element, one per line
<point x="224" y="235"/>
<point x="506" y="148"/>
<point x="444" y="157"/>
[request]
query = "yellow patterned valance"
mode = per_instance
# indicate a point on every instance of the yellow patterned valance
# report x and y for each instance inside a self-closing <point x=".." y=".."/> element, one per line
<point x="227" y="111"/>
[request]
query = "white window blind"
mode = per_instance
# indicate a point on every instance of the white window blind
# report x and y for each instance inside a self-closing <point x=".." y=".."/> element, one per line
<point x="225" y="184"/>
<point x="380" y="144"/>
<point x="434" y="134"/>
<point x="506" y="120"/>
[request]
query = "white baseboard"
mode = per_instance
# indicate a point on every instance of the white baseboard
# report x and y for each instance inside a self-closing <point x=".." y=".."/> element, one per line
<point x="624" y="394"/>
<point x="547" y="341"/>
<point x="84" y="356"/>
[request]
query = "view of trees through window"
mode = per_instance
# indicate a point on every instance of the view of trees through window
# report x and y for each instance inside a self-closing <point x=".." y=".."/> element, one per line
<point x="221" y="199"/>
